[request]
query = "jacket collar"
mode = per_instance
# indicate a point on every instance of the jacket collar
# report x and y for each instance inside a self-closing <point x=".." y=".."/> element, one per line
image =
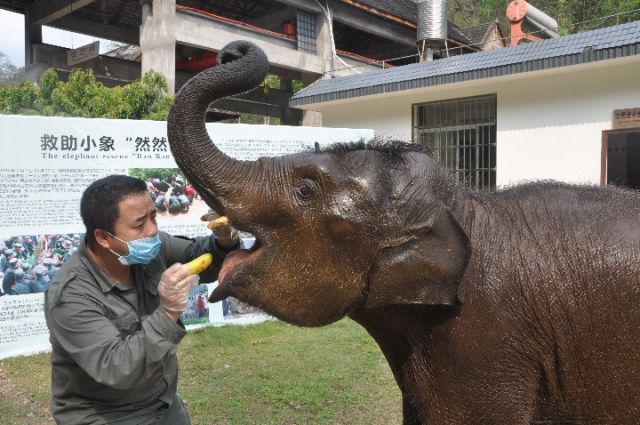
<point x="103" y="279"/>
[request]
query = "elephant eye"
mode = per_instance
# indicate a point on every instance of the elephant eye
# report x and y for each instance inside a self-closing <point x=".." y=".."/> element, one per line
<point x="304" y="190"/>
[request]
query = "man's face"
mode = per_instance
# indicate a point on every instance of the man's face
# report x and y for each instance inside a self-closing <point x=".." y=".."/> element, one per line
<point x="136" y="220"/>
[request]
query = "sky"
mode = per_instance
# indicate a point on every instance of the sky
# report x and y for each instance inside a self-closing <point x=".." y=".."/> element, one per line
<point x="12" y="37"/>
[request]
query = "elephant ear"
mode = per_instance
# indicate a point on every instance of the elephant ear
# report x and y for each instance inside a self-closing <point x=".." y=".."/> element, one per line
<point x="422" y="267"/>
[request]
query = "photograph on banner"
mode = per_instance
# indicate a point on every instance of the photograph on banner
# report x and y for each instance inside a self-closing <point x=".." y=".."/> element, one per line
<point x="29" y="262"/>
<point x="59" y="157"/>
<point x="197" y="311"/>
<point x="173" y="195"/>
<point x="200" y="312"/>
<point x="232" y="308"/>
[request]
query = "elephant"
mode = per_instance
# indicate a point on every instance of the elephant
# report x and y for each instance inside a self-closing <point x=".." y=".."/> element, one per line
<point x="514" y="306"/>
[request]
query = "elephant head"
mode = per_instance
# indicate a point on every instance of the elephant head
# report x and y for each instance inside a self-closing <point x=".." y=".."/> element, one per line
<point x="357" y="226"/>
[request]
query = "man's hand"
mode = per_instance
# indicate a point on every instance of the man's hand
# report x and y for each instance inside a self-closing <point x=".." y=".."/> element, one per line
<point x="173" y="289"/>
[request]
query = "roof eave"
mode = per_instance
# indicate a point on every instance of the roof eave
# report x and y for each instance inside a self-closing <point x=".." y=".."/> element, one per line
<point x="587" y="56"/>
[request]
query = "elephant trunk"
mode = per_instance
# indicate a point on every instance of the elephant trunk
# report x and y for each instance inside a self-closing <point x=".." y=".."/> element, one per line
<point x="242" y="66"/>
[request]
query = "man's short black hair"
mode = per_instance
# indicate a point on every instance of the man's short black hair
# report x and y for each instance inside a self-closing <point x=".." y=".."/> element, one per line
<point x="99" y="202"/>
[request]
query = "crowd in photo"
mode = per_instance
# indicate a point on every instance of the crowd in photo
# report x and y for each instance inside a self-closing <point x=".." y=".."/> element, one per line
<point x="173" y="194"/>
<point x="28" y="263"/>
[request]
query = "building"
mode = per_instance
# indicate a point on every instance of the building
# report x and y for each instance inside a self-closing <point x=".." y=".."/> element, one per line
<point x="564" y="108"/>
<point x="181" y="37"/>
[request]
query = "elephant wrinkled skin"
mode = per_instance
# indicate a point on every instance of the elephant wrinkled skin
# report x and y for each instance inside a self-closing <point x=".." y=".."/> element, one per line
<point x="515" y="307"/>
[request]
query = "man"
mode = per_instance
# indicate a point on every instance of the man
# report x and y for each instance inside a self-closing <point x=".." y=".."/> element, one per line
<point x="21" y="284"/>
<point x="67" y="246"/>
<point x="201" y="305"/>
<point x="9" y="278"/>
<point x="28" y="273"/>
<point x="26" y="267"/>
<point x="40" y="282"/>
<point x="6" y="256"/>
<point x="21" y="254"/>
<point x="50" y="269"/>
<point x="113" y="309"/>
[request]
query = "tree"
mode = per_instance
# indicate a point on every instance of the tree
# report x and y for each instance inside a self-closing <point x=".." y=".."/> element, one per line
<point x="82" y="95"/>
<point x="572" y="15"/>
<point x="152" y="173"/>
<point x="10" y="75"/>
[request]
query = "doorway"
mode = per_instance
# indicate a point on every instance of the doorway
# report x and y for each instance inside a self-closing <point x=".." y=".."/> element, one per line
<point x="621" y="158"/>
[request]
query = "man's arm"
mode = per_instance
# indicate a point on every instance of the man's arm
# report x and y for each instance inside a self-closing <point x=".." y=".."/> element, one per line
<point x="79" y="325"/>
<point x="178" y="249"/>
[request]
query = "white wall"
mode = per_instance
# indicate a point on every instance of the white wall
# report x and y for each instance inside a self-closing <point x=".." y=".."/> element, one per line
<point x="549" y="125"/>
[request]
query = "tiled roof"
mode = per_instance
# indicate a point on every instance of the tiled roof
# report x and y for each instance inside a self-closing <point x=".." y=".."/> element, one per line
<point x="590" y="46"/>
<point x="458" y="34"/>
<point x="478" y="33"/>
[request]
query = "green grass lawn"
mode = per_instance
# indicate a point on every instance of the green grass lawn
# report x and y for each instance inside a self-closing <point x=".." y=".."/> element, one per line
<point x="269" y="373"/>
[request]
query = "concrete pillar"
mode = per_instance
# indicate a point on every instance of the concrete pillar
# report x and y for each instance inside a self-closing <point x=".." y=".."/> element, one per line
<point x="324" y="45"/>
<point x="32" y="35"/>
<point x="324" y="50"/>
<point x="158" y="39"/>
<point x="310" y="118"/>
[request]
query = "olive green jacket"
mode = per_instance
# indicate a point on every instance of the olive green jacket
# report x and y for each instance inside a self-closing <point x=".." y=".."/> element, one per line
<point x="113" y="350"/>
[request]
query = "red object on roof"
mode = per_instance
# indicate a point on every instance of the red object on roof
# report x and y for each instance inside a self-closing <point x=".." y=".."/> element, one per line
<point x="202" y="62"/>
<point x="289" y="28"/>
<point x="516" y="13"/>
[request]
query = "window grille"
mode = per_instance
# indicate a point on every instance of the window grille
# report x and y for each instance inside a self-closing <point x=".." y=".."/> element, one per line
<point x="462" y="134"/>
<point x="306" y="32"/>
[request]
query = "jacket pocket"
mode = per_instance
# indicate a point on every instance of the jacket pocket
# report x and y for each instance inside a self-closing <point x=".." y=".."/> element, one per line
<point x="128" y="323"/>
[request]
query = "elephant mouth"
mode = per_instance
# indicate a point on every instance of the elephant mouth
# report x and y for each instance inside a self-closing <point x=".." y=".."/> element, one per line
<point x="234" y="263"/>
<point x="233" y="259"/>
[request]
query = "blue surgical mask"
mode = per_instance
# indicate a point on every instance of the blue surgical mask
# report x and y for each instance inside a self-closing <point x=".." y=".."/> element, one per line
<point x="141" y="251"/>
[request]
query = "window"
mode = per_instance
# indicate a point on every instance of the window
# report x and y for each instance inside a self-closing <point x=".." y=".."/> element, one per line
<point x="622" y="157"/>
<point x="462" y="134"/>
<point x="306" y="32"/>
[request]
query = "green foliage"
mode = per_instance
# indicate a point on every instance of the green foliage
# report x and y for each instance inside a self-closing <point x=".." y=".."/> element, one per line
<point x="48" y="83"/>
<point x="82" y="95"/>
<point x="146" y="97"/>
<point x="572" y="16"/>
<point x="272" y="80"/>
<point x="153" y="173"/>
<point x="297" y="85"/>
<point x="14" y="99"/>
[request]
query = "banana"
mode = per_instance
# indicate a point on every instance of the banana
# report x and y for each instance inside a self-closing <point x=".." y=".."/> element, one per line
<point x="200" y="264"/>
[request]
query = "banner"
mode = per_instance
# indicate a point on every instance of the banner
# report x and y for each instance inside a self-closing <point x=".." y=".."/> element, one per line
<point x="47" y="162"/>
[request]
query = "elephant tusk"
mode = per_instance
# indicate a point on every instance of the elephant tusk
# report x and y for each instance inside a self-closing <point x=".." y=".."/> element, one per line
<point x="218" y="223"/>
